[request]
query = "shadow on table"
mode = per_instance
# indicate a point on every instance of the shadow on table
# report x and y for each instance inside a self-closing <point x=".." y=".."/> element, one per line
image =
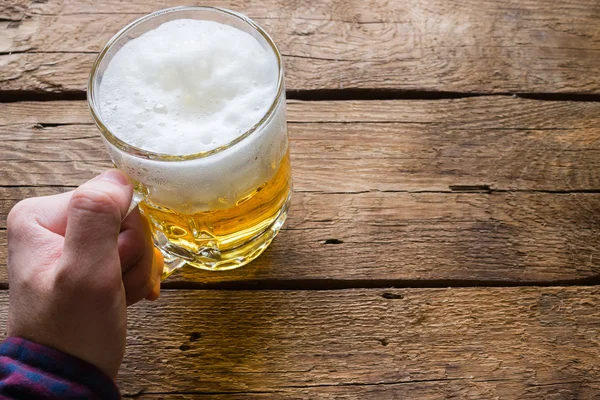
<point x="205" y="340"/>
<point x="277" y="263"/>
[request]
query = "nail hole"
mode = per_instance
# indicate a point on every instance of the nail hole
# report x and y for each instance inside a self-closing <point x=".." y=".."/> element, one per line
<point x="334" y="241"/>
<point x="184" y="347"/>
<point x="384" y="342"/>
<point x="195" y="336"/>
<point x="388" y="295"/>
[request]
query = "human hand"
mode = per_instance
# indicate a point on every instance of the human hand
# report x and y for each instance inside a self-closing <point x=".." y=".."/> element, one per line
<point x="73" y="267"/>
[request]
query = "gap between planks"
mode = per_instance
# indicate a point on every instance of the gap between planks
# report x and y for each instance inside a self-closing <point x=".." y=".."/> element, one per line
<point x="452" y="190"/>
<point x="295" y="285"/>
<point x="331" y="95"/>
<point x="342" y="284"/>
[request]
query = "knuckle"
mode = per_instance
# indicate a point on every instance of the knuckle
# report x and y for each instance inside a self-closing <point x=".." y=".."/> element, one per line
<point x="20" y="214"/>
<point x="19" y="221"/>
<point x="64" y="282"/>
<point x="104" y="289"/>
<point x="96" y="201"/>
<point x="62" y="279"/>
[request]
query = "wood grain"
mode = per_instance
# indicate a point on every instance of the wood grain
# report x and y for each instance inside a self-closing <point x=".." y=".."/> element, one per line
<point x="468" y="46"/>
<point x="405" y="191"/>
<point x="469" y="343"/>
<point x="409" y="238"/>
<point x="420" y="390"/>
<point x="475" y="191"/>
<point x="449" y="343"/>
<point x="357" y="146"/>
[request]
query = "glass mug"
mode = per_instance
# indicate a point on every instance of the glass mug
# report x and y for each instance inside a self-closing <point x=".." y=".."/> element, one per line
<point x="209" y="221"/>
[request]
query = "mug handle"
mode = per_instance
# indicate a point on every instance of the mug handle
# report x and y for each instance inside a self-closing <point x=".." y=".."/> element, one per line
<point x="171" y="263"/>
<point x="135" y="200"/>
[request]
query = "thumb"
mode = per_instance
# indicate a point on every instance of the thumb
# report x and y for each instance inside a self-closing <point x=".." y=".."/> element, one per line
<point x="94" y="217"/>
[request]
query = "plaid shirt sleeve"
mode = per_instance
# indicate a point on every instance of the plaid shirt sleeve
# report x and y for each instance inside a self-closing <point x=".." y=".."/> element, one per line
<point x="31" y="371"/>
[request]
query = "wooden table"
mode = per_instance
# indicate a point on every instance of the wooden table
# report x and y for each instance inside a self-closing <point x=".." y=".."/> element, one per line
<point x="444" y="234"/>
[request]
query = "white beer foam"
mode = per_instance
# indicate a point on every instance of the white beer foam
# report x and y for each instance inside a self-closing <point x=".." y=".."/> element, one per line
<point x="190" y="86"/>
<point x="187" y="86"/>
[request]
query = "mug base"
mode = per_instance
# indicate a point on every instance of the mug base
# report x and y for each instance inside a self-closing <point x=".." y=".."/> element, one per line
<point x="228" y="259"/>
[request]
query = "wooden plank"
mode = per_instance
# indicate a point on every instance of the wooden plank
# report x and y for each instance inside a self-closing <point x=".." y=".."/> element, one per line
<point x="383" y="183"/>
<point x="254" y="341"/>
<point x="9" y="196"/>
<point x="425" y="390"/>
<point x="503" y="112"/>
<point x="430" y="343"/>
<point x="500" y="143"/>
<point x="468" y="46"/>
<point x="415" y="343"/>
<point x="407" y="238"/>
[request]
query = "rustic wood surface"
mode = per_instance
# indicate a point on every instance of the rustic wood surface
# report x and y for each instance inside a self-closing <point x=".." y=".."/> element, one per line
<point x="394" y="145"/>
<point x="413" y="168"/>
<point x="437" y="45"/>
<point x="450" y="238"/>
<point x="468" y="343"/>
<point x="436" y="191"/>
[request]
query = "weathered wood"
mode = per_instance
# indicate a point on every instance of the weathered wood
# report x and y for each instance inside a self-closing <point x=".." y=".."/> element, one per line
<point x="439" y="145"/>
<point x="363" y="170"/>
<point x="406" y="238"/>
<point x="487" y="190"/>
<point x="421" y="390"/>
<point x="483" y="112"/>
<point x="470" y="343"/>
<point x="467" y="343"/>
<point x="468" y="46"/>
<point x="9" y="196"/>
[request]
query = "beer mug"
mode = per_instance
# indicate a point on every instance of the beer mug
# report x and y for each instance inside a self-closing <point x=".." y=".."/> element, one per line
<point x="217" y="209"/>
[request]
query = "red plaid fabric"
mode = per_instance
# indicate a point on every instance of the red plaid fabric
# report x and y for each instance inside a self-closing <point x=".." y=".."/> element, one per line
<point x="31" y="371"/>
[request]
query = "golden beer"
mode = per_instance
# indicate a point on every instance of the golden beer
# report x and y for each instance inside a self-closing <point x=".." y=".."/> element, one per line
<point x="228" y="237"/>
